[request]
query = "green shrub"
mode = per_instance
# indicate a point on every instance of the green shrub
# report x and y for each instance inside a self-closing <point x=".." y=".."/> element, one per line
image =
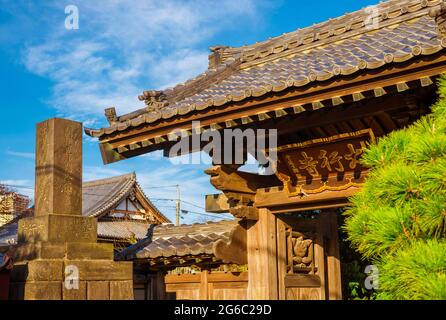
<point x="398" y="219"/>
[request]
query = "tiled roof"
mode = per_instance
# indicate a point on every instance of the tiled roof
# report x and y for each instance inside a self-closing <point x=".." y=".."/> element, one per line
<point x="97" y="197"/>
<point x="336" y="48"/>
<point x="125" y="229"/>
<point x="184" y="240"/>
<point x="101" y="195"/>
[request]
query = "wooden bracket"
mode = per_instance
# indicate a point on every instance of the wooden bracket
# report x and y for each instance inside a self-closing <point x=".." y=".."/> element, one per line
<point x="234" y="251"/>
<point x="439" y="15"/>
<point x="227" y="178"/>
<point x="245" y="212"/>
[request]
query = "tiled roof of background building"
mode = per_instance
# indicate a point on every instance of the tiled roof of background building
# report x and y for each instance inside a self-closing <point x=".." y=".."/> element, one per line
<point x="99" y="196"/>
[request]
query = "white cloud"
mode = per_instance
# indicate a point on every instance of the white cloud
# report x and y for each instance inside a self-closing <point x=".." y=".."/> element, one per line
<point x="95" y="173"/>
<point x="159" y="185"/>
<point x="178" y="67"/>
<point x="27" y="155"/>
<point x="123" y="47"/>
<point x="194" y="185"/>
<point x="22" y="186"/>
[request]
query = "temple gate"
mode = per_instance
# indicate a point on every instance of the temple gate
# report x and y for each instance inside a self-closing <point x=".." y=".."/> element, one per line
<point x="328" y="90"/>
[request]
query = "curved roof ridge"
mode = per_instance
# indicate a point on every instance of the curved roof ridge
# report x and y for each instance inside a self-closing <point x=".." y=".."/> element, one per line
<point x="105" y="203"/>
<point x="93" y="183"/>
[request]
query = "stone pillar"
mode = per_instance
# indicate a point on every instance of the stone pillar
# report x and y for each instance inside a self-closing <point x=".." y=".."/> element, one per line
<point x="57" y="256"/>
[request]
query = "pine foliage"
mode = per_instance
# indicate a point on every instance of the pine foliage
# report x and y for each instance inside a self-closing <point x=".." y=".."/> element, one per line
<point x="398" y="219"/>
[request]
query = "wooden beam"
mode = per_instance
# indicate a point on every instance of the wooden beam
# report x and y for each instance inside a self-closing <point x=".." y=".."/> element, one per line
<point x="217" y="203"/>
<point x="204" y="287"/>
<point x="277" y="197"/>
<point x="108" y="154"/>
<point x="386" y="121"/>
<point x="337" y="101"/>
<point x="351" y="113"/>
<point x="227" y="178"/>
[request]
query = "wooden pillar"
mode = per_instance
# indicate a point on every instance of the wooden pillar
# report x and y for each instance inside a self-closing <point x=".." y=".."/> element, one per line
<point x="319" y="259"/>
<point x="204" y="288"/>
<point x="262" y="261"/>
<point x="281" y="258"/>
<point x="333" y="256"/>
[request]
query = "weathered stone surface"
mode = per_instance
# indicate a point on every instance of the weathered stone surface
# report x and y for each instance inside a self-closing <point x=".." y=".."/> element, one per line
<point x="75" y="294"/>
<point x="92" y="270"/>
<point x="59" y="236"/>
<point x="90" y="251"/>
<point x="58" y="186"/>
<point x="98" y="290"/>
<point x="43" y="290"/>
<point x="38" y="270"/>
<point x="39" y="250"/>
<point x="121" y="290"/>
<point x="57" y="228"/>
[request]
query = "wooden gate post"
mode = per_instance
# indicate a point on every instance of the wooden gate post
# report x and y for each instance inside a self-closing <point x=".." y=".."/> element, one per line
<point x="262" y="261"/>
<point x="330" y="222"/>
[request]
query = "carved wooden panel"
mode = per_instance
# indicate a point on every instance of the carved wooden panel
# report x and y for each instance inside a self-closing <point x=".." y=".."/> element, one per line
<point x="300" y="253"/>
<point x="323" y="164"/>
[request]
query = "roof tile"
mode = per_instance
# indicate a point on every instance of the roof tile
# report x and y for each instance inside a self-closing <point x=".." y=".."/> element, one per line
<point x="337" y="47"/>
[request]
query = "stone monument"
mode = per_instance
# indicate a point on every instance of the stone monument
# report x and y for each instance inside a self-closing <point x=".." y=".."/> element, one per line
<point x="57" y="256"/>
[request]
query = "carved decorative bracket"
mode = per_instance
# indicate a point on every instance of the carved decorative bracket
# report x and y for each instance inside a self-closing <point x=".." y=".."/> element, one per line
<point x="234" y="251"/>
<point x="227" y="178"/>
<point x="439" y="15"/>
<point x="155" y="100"/>
<point x="240" y="189"/>
<point x="110" y="114"/>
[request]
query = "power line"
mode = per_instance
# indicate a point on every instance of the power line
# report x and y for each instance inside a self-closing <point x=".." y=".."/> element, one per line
<point x="152" y="199"/>
<point x="199" y="213"/>
<point x="160" y="187"/>
<point x="190" y="203"/>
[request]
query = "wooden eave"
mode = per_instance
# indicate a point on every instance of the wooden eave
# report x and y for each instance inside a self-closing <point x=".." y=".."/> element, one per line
<point x="149" y="137"/>
<point x="149" y="206"/>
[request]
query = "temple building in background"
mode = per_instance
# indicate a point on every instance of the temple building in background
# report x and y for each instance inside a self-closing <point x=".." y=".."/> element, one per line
<point x="123" y="211"/>
<point x="12" y="204"/>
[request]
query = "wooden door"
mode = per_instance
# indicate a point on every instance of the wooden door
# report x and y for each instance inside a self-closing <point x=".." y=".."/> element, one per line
<point x="308" y="257"/>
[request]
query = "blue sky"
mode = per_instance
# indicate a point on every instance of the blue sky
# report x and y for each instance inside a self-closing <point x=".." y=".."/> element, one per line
<point x="121" y="48"/>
